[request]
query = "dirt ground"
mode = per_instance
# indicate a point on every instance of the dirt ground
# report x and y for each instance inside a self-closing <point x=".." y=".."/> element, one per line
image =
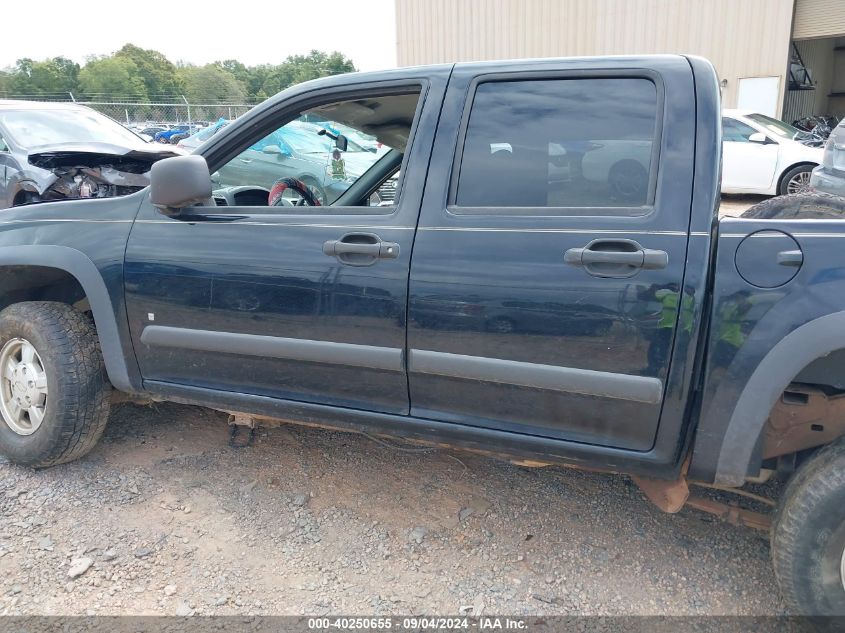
<point x="164" y="517"/>
<point x="734" y="204"/>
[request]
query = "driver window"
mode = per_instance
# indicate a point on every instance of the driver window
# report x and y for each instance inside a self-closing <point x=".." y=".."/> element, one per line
<point x="316" y="158"/>
<point x="736" y="131"/>
<point x="3" y="146"/>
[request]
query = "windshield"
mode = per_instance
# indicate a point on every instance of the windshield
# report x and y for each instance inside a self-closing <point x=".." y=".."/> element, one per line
<point x="778" y="128"/>
<point x="302" y="140"/>
<point x="305" y="143"/>
<point x="207" y="133"/>
<point x="31" y="128"/>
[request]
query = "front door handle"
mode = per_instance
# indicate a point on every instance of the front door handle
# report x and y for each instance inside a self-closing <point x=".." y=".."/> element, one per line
<point x="616" y="258"/>
<point x="360" y="249"/>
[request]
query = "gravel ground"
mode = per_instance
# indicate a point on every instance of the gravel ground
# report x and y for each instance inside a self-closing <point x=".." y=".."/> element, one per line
<point x="734" y="204"/>
<point x="165" y="518"/>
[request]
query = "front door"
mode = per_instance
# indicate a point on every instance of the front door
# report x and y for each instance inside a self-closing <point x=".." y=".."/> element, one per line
<point x="300" y="300"/>
<point x="546" y="284"/>
<point x="746" y="165"/>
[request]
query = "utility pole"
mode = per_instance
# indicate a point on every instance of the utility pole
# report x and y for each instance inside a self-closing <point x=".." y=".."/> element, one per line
<point x="188" y="106"/>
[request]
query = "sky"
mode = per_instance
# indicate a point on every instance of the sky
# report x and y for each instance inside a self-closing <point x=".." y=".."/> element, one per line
<point x="199" y="32"/>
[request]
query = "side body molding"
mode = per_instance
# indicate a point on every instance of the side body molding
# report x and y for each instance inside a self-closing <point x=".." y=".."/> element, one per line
<point x="778" y="368"/>
<point x="86" y="273"/>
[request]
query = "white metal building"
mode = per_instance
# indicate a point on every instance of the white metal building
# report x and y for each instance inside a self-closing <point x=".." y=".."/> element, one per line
<point x="780" y="57"/>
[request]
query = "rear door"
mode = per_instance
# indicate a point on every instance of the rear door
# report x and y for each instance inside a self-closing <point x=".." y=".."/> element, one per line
<point x="548" y="267"/>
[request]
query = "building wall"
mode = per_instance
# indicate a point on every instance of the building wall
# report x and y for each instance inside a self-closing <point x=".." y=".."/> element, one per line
<point x="743" y="38"/>
<point x="819" y="18"/>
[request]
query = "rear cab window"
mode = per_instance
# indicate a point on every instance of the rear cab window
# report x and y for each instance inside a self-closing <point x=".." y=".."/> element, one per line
<point x="559" y="144"/>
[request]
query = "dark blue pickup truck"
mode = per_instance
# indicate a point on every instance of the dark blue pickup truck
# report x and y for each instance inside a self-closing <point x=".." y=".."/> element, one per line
<point x="550" y="284"/>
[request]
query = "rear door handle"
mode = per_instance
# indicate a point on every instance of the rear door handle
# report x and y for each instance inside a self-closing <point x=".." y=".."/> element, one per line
<point x="616" y="258"/>
<point x="360" y="249"/>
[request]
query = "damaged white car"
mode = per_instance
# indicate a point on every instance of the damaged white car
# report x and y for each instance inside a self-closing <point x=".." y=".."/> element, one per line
<point x="64" y="151"/>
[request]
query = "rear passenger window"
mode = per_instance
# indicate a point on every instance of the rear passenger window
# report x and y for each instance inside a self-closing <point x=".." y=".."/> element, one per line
<point x="559" y="143"/>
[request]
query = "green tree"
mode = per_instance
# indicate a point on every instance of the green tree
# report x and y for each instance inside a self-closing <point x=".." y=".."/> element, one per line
<point x="157" y="72"/>
<point x="6" y="83"/>
<point x="238" y="70"/>
<point x="48" y="78"/>
<point x="295" y="69"/>
<point x="318" y="64"/>
<point x="137" y="73"/>
<point x="211" y="84"/>
<point x="112" y="78"/>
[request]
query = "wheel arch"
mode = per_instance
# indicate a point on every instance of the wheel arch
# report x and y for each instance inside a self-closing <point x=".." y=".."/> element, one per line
<point x="90" y="281"/>
<point x="786" y="360"/>
<point x="789" y="168"/>
<point x="22" y="188"/>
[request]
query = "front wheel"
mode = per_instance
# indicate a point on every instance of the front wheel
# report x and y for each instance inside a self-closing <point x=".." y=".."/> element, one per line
<point x="54" y="392"/>
<point x="808" y="536"/>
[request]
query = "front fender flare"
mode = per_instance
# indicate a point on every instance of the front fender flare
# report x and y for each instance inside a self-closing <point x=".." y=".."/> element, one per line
<point x="76" y="263"/>
<point x="794" y="352"/>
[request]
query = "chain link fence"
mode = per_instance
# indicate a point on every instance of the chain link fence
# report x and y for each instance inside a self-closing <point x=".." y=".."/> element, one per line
<point x="171" y="111"/>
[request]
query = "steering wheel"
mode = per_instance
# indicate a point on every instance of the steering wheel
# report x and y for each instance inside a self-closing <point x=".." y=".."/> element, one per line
<point x="306" y="196"/>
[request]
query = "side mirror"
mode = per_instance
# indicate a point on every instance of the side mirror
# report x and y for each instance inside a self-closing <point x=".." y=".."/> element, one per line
<point x="272" y="149"/>
<point x="179" y="182"/>
<point x="758" y="137"/>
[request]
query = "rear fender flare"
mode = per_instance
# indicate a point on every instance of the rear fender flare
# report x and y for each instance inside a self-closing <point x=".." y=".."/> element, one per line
<point x="794" y="352"/>
<point x="78" y="265"/>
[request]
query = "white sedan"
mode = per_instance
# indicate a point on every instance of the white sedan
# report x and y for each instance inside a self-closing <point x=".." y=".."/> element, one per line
<point x="763" y="155"/>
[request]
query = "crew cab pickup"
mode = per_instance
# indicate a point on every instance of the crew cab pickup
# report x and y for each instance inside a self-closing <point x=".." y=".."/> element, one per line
<point x="550" y="284"/>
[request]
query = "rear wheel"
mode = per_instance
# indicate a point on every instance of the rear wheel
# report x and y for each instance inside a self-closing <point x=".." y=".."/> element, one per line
<point x="54" y="393"/>
<point x="808" y="536"/>
<point x="629" y="180"/>
<point x="798" y="206"/>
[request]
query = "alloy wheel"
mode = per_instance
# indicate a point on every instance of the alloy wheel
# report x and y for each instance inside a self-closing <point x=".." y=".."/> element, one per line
<point x="23" y="387"/>
<point x="799" y="183"/>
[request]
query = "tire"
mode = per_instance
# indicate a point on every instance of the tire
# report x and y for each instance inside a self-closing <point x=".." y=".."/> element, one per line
<point x="76" y="390"/>
<point x="808" y="536"/>
<point x="799" y="206"/>
<point x="796" y="180"/>
<point x="628" y="180"/>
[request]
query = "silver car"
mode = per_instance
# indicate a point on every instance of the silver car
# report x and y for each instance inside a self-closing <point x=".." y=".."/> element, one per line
<point x="829" y="177"/>
<point x="61" y="151"/>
